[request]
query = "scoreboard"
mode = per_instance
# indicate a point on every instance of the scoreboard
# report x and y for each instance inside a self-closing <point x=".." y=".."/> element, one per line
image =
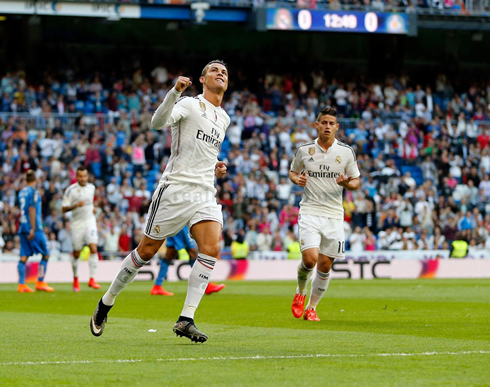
<point x="336" y="21"/>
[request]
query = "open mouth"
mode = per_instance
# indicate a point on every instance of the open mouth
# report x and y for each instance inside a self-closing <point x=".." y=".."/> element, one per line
<point x="220" y="79"/>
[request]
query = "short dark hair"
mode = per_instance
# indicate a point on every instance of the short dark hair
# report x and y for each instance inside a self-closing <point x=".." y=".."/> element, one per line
<point x="206" y="68"/>
<point x="30" y="176"/>
<point x="327" y="112"/>
<point x="81" y="168"/>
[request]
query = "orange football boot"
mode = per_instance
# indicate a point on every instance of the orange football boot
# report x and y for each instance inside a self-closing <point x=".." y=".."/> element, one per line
<point x="298" y="305"/>
<point x="93" y="284"/>
<point x="157" y="290"/>
<point x="310" y="315"/>
<point x="76" y="285"/>
<point x="23" y="288"/>
<point x="43" y="287"/>
<point x="214" y="288"/>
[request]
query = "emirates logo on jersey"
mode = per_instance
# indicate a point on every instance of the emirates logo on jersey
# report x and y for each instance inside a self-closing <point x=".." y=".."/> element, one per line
<point x="338" y="160"/>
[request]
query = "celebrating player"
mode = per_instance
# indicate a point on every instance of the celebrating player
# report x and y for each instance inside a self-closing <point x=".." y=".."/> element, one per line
<point x="32" y="237"/>
<point x="79" y="198"/>
<point x="324" y="167"/>
<point x="185" y="193"/>
<point x="178" y="242"/>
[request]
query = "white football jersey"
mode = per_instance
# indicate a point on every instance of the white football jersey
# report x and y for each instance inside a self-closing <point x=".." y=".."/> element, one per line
<point x="198" y="129"/>
<point x="323" y="196"/>
<point x="81" y="217"/>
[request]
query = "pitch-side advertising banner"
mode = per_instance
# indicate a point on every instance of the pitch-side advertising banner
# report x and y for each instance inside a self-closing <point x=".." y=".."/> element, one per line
<point x="268" y="270"/>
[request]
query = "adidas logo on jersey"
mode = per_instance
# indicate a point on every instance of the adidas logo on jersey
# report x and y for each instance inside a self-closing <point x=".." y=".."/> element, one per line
<point x="311" y="160"/>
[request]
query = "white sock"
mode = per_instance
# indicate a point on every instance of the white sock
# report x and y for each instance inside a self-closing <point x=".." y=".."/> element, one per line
<point x="304" y="276"/>
<point x="319" y="286"/>
<point x="74" y="265"/>
<point x="93" y="262"/>
<point x="198" y="281"/>
<point x="129" y="268"/>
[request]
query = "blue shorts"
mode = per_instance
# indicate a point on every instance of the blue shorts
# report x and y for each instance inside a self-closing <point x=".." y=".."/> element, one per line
<point x="182" y="240"/>
<point x="37" y="246"/>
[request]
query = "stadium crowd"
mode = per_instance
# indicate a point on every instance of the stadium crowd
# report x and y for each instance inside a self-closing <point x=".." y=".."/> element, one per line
<point x="423" y="152"/>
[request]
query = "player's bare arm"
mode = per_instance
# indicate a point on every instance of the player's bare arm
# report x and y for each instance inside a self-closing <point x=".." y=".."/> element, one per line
<point x="349" y="183"/>
<point x="298" y="178"/>
<point x="32" y="220"/>
<point x="220" y="169"/>
<point x="71" y="208"/>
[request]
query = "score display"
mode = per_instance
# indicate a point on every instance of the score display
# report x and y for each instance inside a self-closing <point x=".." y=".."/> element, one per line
<point x="338" y="21"/>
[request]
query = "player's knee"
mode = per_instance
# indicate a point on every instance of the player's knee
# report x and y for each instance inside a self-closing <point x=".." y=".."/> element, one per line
<point x="146" y="252"/>
<point x="309" y="260"/>
<point x="211" y="249"/>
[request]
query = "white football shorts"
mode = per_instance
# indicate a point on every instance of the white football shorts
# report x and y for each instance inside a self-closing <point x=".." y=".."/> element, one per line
<point x="84" y="236"/>
<point x="324" y="233"/>
<point x="174" y="206"/>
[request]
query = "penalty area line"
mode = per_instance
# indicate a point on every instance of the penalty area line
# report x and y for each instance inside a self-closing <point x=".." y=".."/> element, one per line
<point x="257" y="357"/>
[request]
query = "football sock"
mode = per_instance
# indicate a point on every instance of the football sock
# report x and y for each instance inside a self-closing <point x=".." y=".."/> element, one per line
<point x="93" y="262"/>
<point x="21" y="268"/>
<point x="162" y="273"/>
<point x="304" y="275"/>
<point x="128" y="270"/>
<point x="43" y="265"/>
<point x="198" y="281"/>
<point x="319" y="286"/>
<point x="74" y="266"/>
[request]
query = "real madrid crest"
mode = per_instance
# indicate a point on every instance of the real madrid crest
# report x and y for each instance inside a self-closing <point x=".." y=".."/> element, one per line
<point x="302" y="242"/>
<point x="338" y="160"/>
<point x="202" y="105"/>
<point x="157" y="229"/>
<point x="311" y="151"/>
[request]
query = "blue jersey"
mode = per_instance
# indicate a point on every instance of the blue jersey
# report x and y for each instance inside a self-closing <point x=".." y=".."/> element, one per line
<point x="29" y="197"/>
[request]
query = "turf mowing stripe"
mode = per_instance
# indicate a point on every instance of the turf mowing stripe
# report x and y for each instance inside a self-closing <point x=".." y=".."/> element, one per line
<point x="258" y="357"/>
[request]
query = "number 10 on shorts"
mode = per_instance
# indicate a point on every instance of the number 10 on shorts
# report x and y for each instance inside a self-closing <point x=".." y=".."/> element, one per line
<point x="341" y="247"/>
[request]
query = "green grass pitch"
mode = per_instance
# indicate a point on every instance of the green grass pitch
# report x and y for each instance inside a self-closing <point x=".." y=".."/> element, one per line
<point x="380" y="333"/>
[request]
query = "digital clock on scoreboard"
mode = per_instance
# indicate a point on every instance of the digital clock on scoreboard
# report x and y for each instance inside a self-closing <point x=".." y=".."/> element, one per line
<point x="339" y="21"/>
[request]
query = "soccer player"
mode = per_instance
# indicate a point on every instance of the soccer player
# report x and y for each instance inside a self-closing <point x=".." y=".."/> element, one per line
<point x="185" y="193"/>
<point x="79" y="198"/>
<point x="174" y="244"/>
<point x="324" y="167"/>
<point x="32" y="237"/>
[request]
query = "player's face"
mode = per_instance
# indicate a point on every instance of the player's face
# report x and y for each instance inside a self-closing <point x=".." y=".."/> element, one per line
<point x="327" y="127"/>
<point x="82" y="177"/>
<point x="216" y="78"/>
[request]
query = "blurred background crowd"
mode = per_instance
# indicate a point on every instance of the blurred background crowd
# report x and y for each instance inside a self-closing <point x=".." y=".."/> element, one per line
<point x="423" y="151"/>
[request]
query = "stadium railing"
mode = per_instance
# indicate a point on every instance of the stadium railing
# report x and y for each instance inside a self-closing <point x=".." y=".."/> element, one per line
<point x="430" y="7"/>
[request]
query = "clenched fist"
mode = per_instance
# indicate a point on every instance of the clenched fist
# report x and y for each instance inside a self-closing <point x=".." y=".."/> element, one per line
<point x="182" y="84"/>
<point x="220" y="169"/>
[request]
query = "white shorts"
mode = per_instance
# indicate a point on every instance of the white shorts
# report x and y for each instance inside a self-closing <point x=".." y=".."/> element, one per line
<point x="324" y="233"/>
<point x="177" y="205"/>
<point x="84" y="236"/>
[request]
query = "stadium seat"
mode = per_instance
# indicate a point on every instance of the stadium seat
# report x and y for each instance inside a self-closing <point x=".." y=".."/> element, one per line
<point x="96" y="170"/>
<point x="79" y="105"/>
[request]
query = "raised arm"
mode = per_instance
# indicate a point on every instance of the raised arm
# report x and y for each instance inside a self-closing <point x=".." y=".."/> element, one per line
<point x="169" y="112"/>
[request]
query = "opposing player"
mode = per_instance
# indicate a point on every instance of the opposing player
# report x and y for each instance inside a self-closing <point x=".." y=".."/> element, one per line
<point x="324" y="167"/>
<point x="79" y="198"/>
<point x="185" y="193"/>
<point x="182" y="240"/>
<point x="32" y="237"/>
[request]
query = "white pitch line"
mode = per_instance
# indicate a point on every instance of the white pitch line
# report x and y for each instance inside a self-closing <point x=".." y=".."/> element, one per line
<point x="258" y="357"/>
